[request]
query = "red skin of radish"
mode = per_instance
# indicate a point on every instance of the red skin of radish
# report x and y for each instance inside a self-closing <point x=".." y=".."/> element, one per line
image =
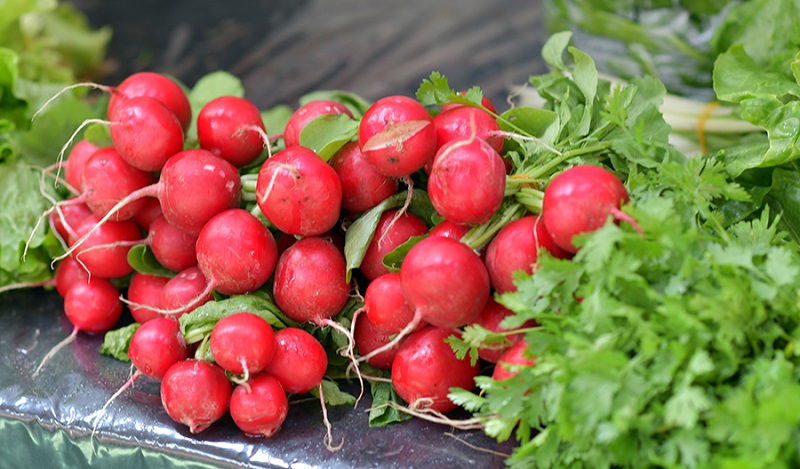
<point x="450" y="229"/>
<point x="148" y="214"/>
<point x="194" y="186"/>
<point x="368" y="338"/>
<point x="195" y="393"/>
<point x="467" y="181"/>
<point x="73" y="171"/>
<point x="362" y="186"/>
<point x="172" y="248"/>
<point x="580" y="200"/>
<point x="181" y="289"/>
<point x="221" y="129"/>
<point x="308" y="112"/>
<point x="397" y="136"/>
<point x="299" y="361"/>
<point x="68" y="272"/>
<point x="156" y="346"/>
<point x="299" y="193"/>
<point x="516" y="248"/>
<point x="386" y="306"/>
<point x="387" y="237"/>
<point x="516" y="355"/>
<point x="445" y="281"/>
<point x="93" y="305"/>
<point x="457" y="124"/>
<point x="259" y="408"/>
<point x="490" y="318"/>
<point x="426" y="367"/>
<point x="107" y="179"/>
<point x="106" y="262"/>
<point x="74" y="213"/>
<point x="236" y="252"/>
<point x="310" y="282"/>
<point x="145" y="289"/>
<point x="145" y="132"/>
<point x="156" y="86"/>
<point x="242" y="340"/>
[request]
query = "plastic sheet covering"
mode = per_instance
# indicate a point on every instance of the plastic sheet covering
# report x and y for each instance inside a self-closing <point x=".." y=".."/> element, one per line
<point x="47" y="421"/>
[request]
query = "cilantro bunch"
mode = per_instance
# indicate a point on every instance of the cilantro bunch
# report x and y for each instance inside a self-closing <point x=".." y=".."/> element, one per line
<point x="674" y="348"/>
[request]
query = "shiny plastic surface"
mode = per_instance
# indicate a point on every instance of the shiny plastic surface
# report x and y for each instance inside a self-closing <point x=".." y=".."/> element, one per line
<point x="47" y="421"/>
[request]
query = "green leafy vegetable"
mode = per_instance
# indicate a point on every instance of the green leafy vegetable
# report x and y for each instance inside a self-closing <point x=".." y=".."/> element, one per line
<point x="326" y="134"/>
<point x="117" y="342"/>
<point x="141" y="258"/>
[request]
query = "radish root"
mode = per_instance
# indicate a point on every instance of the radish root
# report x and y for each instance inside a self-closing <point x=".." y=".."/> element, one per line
<point x="396" y="340"/>
<point x="349" y="351"/>
<point x="421" y="409"/>
<point x="69" y="339"/>
<point x="328" y="440"/>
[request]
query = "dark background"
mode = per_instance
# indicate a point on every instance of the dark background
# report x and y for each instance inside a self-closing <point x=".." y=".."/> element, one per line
<point x="283" y="49"/>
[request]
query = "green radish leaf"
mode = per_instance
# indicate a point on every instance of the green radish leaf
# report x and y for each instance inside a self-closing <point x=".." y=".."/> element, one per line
<point x="361" y="231"/>
<point x="141" y="258"/>
<point x="327" y="133"/>
<point x="117" y="342"/>
<point x="275" y="119"/>
<point x="393" y="259"/>
<point x="332" y="394"/>
<point x="533" y="121"/>
<point x="196" y="325"/>
<point x="98" y="135"/>
<point x="381" y="414"/>
<point x="355" y="103"/>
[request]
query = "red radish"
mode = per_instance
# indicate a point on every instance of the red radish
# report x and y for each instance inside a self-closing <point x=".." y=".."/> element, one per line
<point x="461" y="122"/>
<point x="172" y="248"/>
<point x="362" y="186"/>
<point x="425" y="368"/>
<point x="445" y="281"/>
<point x="310" y="282"/>
<point x="242" y="343"/>
<point x="385" y="305"/>
<point x="145" y="132"/>
<point x="515" y="248"/>
<point x="145" y="290"/>
<point x="93" y="305"/>
<point x="486" y="102"/>
<point x="580" y="200"/>
<point x="260" y="406"/>
<point x="467" y="181"/>
<point x="195" y="393"/>
<point x="490" y="318"/>
<point x="236" y="252"/>
<point x="397" y="136"/>
<point x="155" y="86"/>
<point x="299" y="361"/>
<point x="66" y="217"/>
<point x="306" y="113"/>
<point x="193" y="186"/>
<point x="299" y="193"/>
<point x="450" y="230"/>
<point x="68" y="273"/>
<point x="147" y="214"/>
<point x="369" y="338"/>
<point x="231" y="127"/>
<point x="184" y="293"/>
<point x="156" y="346"/>
<point x="516" y="356"/>
<point x="107" y="179"/>
<point x="105" y="252"/>
<point x="394" y="228"/>
<point x="78" y="155"/>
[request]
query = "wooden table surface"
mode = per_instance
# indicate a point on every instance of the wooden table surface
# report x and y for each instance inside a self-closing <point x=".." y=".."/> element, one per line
<point x="282" y="50"/>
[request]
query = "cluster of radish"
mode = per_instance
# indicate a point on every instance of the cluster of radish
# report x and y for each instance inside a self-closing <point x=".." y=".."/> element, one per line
<point x="185" y="201"/>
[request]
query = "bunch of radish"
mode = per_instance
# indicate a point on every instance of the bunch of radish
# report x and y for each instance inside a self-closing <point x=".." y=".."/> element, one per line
<point x="225" y="216"/>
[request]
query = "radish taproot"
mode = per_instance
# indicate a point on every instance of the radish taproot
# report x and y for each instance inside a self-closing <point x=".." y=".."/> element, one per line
<point x="362" y="186"/>
<point x="397" y="136"/>
<point x="513" y="361"/>
<point x="395" y="227"/>
<point x="145" y="132"/>
<point x="153" y="85"/>
<point x="107" y="179"/>
<point x="172" y="248"/>
<point x="425" y="368"/>
<point x="195" y="393"/>
<point x="386" y="306"/>
<point x="490" y="318"/>
<point x="306" y="113"/>
<point x="260" y="406"/>
<point x="580" y="200"/>
<point x="232" y="128"/>
<point x="299" y="361"/>
<point x="242" y="343"/>
<point x="299" y="193"/>
<point x="145" y="291"/>
<point x="104" y="253"/>
<point x="460" y="122"/>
